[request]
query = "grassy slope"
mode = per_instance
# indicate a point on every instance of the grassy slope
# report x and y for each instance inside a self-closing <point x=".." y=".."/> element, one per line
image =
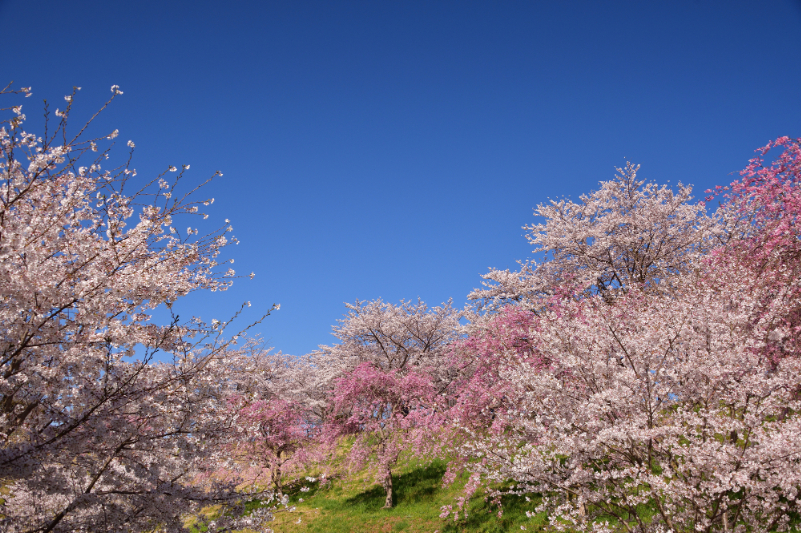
<point x="354" y="505"/>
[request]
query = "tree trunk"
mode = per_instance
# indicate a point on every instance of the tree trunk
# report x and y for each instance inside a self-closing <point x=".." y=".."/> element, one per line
<point x="388" y="488"/>
<point x="275" y="475"/>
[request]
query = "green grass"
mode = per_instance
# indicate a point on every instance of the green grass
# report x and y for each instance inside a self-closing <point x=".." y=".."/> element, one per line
<point x="355" y="505"/>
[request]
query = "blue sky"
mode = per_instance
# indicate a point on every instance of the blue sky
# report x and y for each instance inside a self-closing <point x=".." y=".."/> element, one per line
<point x="395" y="149"/>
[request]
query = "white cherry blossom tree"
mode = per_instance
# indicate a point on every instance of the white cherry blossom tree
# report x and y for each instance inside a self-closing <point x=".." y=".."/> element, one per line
<point x="94" y="434"/>
<point x="672" y="405"/>
<point x="628" y="232"/>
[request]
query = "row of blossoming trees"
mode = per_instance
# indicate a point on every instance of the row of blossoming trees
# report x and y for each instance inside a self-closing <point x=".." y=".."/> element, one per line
<point x="643" y="376"/>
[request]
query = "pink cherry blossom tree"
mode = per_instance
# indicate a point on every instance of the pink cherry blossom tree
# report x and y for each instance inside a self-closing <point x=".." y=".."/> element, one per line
<point x="628" y="233"/>
<point x="764" y="210"/>
<point x="393" y="371"/>
<point x="270" y="436"/>
<point x="389" y="412"/>
<point x="480" y="395"/>
<point x="653" y="405"/>
<point x="94" y="435"/>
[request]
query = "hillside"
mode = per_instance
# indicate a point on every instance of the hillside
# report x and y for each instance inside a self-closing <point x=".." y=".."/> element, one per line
<point x="351" y="505"/>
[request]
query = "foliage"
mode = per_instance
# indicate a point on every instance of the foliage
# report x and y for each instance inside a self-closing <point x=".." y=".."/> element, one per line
<point x="671" y="403"/>
<point x="390" y="398"/>
<point x="269" y="436"/>
<point x="627" y="233"/>
<point x="93" y="434"/>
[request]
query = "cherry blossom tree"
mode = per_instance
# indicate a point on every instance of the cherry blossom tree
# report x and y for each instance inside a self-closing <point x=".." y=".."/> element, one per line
<point x="393" y="370"/>
<point x="675" y="409"/>
<point x="277" y="419"/>
<point x="269" y="436"/>
<point x="94" y="435"/>
<point x="764" y="208"/>
<point x="655" y="404"/>
<point x="480" y="394"/>
<point x="308" y="381"/>
<point x="627" y="233"/>
<point x="388" y="411"/>
<point x="394" y="336"/>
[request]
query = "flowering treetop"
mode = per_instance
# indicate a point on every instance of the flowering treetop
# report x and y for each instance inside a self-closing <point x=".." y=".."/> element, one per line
<point x="628" y="232"/>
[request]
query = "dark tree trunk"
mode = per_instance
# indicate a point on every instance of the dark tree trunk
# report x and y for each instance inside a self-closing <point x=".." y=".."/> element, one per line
<point x="388" y="488"/>
<point x="275" y="475"/>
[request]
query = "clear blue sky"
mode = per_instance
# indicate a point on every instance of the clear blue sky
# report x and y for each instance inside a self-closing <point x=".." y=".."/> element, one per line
<point x="394" y="149"/>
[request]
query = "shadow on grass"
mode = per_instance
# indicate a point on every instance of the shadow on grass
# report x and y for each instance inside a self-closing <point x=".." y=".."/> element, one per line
<point x="483" y="516"/>
<point x="416" y="486"/>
